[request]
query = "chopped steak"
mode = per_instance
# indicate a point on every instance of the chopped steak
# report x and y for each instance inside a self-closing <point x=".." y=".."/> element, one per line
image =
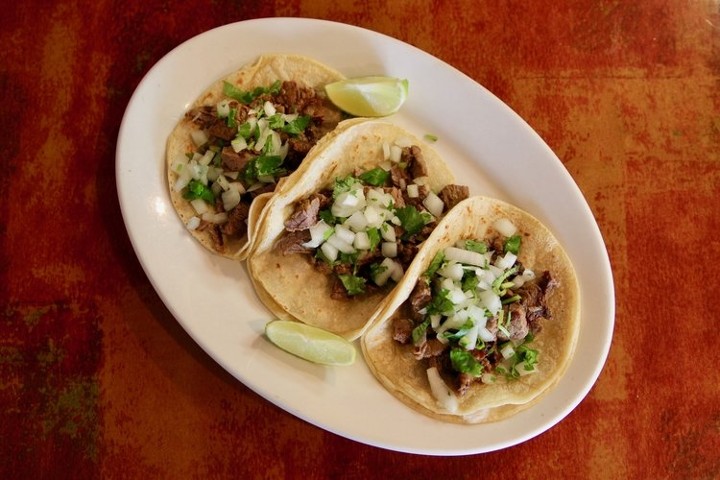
<point x="292" y="242"/>
<point x="451" y="195"/>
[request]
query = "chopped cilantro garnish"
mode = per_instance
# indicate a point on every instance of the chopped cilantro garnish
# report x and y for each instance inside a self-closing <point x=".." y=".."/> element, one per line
<point x="354" y="285"/>
<point x="343" y="185"/>
<point x="246" y="97"/>
<point x="512" y="244"/>
<point x="245" y="130"/>
<point x="435" y="264"/>
<point x="475" y="246"/>
<point x="464" y="362"/>
<point x="374" y="236"/>
<point x="498" y="282"/>
<point x="230" y="120"/>
<point x="470" y="281"/>
<point x="440" y="303"/>
<point x="375" y="177"/>
<point x="296" y="126"/>
<point x="376" y="269"/>
<point x="457" y="335"/>
<point x="410" y="219"/>
<point x="196" y="189"/>
<point x="327" y="217"/>
<point x="419" y="333"/>
<point x="262" y="166"/>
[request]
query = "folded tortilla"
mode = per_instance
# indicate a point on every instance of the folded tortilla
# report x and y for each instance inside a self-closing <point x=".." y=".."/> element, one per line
<point x="289" y="285"/>
<point x="406" y="378"/>
<point x="263" y="72"/>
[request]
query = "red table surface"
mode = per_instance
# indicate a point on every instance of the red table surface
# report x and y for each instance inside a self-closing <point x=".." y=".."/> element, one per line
<point x="97" y="379"/>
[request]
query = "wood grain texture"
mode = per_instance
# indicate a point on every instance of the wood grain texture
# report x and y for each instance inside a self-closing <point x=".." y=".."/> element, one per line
<point x="98" y="380"/>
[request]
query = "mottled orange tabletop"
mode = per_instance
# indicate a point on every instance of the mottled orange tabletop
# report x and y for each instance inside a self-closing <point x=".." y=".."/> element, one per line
<point x="99" y="380"/>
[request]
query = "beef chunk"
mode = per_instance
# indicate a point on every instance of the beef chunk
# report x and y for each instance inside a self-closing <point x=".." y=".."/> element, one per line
<point x="235" y="161"/>
<point x="203" y="116"/>
<point x="237" y="220"/>
<point x="219" y="129"/>
<point x="291" y="242"/>
<point x="413" y="157"/>
<point x="451" y="195"/>
<point x="400" y="177"/>
<point x="306" y="213"/>
<point x="402" y="330"/>
<point x="429" y="348"/>
<point x="419" y="299"/>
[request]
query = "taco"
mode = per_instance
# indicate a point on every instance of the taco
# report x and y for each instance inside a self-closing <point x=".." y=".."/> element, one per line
<point x="333" y="244"/>
<point x="484" y="321"/>
<point x="243" y="135"/>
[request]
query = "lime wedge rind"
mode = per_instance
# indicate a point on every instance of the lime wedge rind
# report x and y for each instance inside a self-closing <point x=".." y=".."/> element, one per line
<point x="373" y="96"/>
<point x="310" y="343"/>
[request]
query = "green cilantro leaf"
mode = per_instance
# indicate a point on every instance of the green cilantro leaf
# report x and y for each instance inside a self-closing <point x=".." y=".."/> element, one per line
<point x="196" y="189"/>
<point x="353" y="285"/>
<point x="410" y="219"/>
<point x="475" y="246"/>
<point x="512" y="244"/>
<point x="297" y="126"/>
<point x="464" y="362"/>
<point x="375" y="177"/>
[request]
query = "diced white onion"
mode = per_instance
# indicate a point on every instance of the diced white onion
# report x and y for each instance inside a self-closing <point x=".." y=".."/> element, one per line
<point x="199" y="137"/>
<point x="362" y="241"/>
<point x="520" y="367"/>
<point x="238" y="144"/>
<point x="397" y="272"/>
<point x="232" y="175"/>
<point x="238" y="186"/>
<point x="386" y="150"/>
<point x="485" y="335"/>
<point x="317" y="234"/>
<point x="193" y="223"/>
<point x="451" y="270"/>
<point x="506" y="261"/>
<point x="348" y="203"/>
<point x="389" y="249"/>
<point x="463" y="256"/>
<point x="388" y="265"/>
<point x="434" y="204"/>
<point x="490" y="300"/>
<point x="290" y="117"/>
<point x="330" y="252"/>
<point x="388" y="233"/>
<point x="469" y="341"/>
<point x="207" y="158"/>
<point x="269" y="108"/>
<point x="395" y="153"/>
<point x="445" y="397"/>
<point x="223" y="182"/>
<point x="182" y="180"/>
<point x="356" y="222"/>
<point x="507" y="350"/>
<point x="373" y="216"/>
<point x="199" y="205"/>
<point x="413" y="190"/>
<point x="223" y="108"/>
<point x="345" y="234"/>
<point x="230" y="199"/>
<point x="210" y="217"/>
<point x="340" y="244"/>
<point x="435" y="321"/>
<point x="505" y="227"/>
<point x="456" y="296"/>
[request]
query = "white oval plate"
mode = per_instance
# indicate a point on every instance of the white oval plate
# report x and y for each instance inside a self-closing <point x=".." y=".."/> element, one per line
<point x="488" y="146"/>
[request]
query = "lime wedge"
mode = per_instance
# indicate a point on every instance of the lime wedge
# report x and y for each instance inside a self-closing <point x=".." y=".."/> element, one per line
<point x="375" y="96"/>
<point x="310" y="343"/>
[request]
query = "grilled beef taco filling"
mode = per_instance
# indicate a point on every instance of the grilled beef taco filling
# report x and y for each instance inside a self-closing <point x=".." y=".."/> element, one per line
<point x="366" y="230"/>
<point x="473" y="315"/>
<point x="242" y="146"/>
